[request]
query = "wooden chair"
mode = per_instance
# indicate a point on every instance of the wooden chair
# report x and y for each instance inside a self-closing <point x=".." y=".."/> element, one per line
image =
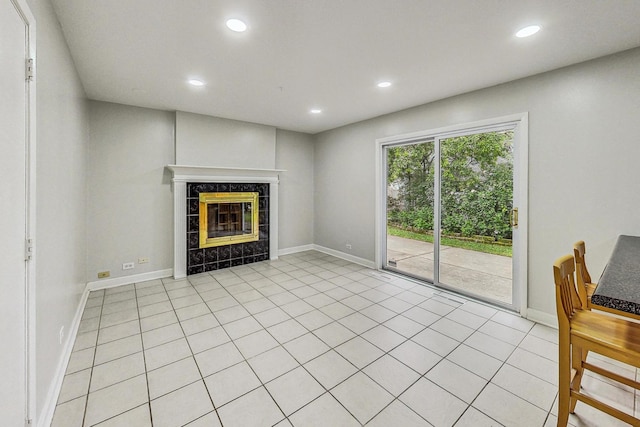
<point x="585" y="287"/>
<point x="582" y="331"/>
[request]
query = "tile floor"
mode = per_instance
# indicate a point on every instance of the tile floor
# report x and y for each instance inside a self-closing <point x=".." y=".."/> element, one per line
<point x="312" y="340"/>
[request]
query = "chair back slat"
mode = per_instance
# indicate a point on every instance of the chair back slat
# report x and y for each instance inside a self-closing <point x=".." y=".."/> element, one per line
<point x="582" y="273"/>
<point x="568" y="300"/>
<point x="581" y="266"/>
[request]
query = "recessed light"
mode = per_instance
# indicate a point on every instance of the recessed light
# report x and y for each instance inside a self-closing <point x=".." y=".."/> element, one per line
<point x="195" y="82"/>
<point x="236" y="25"/>
<point x="528" y="31"/>
<point x="315" y="111"/>
<point x="384" y="84"/>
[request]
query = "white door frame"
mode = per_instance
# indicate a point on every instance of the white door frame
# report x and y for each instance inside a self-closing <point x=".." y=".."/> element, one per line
<point x="30" y="315"/>
<point x="520" y="191"/>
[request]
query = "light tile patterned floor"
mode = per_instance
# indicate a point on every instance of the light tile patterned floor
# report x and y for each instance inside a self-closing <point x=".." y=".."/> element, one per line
<point x="312" y="340"/>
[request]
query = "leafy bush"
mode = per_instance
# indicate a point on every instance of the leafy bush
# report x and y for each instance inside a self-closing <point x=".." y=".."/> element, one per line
<point x="476" y="185"/>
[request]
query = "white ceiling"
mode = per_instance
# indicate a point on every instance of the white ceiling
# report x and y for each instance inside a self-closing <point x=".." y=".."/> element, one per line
<point x="328" y="54"/>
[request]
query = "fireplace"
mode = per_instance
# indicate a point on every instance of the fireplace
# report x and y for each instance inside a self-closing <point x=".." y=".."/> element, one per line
<point x="199" y="187"/>
<point x="227" y="225"/>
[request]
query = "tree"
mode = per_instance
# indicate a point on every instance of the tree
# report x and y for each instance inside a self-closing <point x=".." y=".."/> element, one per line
<point x="476" y="184"/>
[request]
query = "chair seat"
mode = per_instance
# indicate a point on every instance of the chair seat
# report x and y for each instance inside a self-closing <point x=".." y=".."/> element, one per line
<point x="613" y="333"/>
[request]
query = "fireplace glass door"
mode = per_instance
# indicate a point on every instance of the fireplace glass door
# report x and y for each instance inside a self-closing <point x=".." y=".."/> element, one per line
<point x="227" y="218"/>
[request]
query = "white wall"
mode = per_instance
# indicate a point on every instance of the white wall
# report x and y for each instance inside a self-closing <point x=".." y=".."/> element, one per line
<point x="62" y="130"/>
<point x="583" y="163"/>
<point x="212" y="141"/>
<point x="294" y="154"/>
<point x="129" y="199"/>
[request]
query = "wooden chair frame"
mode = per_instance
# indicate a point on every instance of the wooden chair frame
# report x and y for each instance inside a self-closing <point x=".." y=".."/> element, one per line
<point x="583" y="278"/>
<point x="582" y="331"/>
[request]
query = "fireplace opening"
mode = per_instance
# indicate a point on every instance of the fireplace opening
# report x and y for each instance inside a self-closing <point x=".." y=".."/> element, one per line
<point x="228" y="218"/>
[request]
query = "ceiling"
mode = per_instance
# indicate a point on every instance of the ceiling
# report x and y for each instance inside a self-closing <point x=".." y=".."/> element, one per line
<point x="328" y="54"/>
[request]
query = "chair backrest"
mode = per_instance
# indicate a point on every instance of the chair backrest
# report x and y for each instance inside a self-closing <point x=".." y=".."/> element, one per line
<point x="567" y="299"/>
<point x="582" y="274"/>
<point x="581" y="267"/>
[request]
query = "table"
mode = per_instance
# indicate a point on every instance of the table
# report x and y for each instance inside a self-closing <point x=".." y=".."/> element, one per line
<point x="618" y="289"/>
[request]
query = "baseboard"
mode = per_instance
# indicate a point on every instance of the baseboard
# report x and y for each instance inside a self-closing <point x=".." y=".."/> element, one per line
<point x="46" y="416"/>
<point x="127" y="280"/>
<point x="542" y="317"/>
<point x="295" y="250"/>
<point x="345" y="256"/>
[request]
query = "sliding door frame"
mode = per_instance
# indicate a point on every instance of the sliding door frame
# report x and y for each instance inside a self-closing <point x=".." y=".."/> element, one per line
<point x="519" y="122"/>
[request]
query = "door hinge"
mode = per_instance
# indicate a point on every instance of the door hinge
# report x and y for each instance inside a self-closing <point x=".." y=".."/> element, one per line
<point x="28" y="422"/>
<point x="29" y="70"/>
<point x="28" y="250"/>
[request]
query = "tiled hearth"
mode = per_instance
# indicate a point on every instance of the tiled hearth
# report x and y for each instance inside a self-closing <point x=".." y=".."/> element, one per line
<point x="312" y="340"/>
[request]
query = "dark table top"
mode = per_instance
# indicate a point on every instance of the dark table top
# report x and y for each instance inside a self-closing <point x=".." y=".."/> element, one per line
<point x="619" y="285"/>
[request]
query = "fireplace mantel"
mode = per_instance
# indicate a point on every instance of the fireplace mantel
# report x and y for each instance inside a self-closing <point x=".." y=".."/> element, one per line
<point x="186" y="173"/>
<point x="219" y="174"/>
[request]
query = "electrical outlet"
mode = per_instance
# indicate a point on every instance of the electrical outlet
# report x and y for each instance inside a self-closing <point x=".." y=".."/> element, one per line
<point x="61" y="335"/>
<point x="128" y="265"/>
<point x="143" y="260"/>
<point x="349" y="246"/>
<point x="103" y="274"/>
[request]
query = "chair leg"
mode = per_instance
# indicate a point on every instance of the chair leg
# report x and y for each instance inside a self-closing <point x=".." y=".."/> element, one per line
<point x="564" y="382"/>
<point x="578" y="357"/>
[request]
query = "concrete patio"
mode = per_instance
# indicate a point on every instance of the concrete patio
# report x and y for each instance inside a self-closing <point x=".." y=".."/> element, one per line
<point x="485" y="275"/>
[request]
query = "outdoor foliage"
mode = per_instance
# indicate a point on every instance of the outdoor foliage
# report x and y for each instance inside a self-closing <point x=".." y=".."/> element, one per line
<point x="476" y="185"/>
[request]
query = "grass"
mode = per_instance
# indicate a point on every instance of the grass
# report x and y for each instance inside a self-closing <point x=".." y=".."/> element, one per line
<point x="487" y="248"/>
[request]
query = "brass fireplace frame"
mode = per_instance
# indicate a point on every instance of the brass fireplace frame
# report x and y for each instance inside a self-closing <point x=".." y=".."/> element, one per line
<point x="207" y="199"/>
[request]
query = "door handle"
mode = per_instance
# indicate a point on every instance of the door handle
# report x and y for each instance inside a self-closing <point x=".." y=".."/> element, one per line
<point x="514" y="218"/>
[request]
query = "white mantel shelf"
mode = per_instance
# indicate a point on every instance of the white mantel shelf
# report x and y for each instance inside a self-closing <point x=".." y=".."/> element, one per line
<point x="220" y="174"/>
<point x="182" y="174"/>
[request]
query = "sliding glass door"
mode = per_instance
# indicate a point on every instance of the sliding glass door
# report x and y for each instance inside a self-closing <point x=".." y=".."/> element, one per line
<point x="450" y="211"/>
<point x="411" y="207"/>
<point x="476" y="203"/>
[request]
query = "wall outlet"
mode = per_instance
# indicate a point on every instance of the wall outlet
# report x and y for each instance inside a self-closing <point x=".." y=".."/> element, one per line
<point x="349" y="246"/>
<point x="61" y="335"/>
<point x="128" y="265"/>
<point x="143" y="260"/>
<point x="103" y="274"/>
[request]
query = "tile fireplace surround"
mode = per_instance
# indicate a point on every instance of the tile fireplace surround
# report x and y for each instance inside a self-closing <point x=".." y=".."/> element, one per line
<point x="182" y="175"/>
<point x="201" y="259"/>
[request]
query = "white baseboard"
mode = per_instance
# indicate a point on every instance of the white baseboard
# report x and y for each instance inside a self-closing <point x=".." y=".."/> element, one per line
<point x="530" y="313"/>
<point x="542" y="317"/>
<point x="46" y="415"/>
<point x="295" y="250"/>
<point x="338" y="254"/>
<point x="345" y="256"/>
<point x="127" y="280"/>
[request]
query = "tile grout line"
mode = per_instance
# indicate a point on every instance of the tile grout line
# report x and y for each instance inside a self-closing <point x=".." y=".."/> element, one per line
<point x="396" y="314"/>
<point x="144" y="356"/>
<point x="95" y="351"/>
<point x="192" y="356"/>
<point x="285" y="349"/>
<point x="245" y="360"/>
<point x="312" y="330"/>
<point x="330" y="349"/>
